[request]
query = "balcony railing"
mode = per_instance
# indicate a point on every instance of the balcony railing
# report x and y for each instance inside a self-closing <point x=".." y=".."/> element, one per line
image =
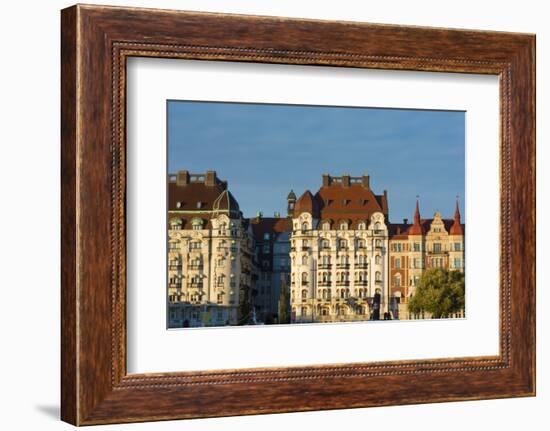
<point x="325" y="265"/>
<point x="361" y="282"/>
<point x="432" y="252"/>
<point x="342" y="265"/>
<point x="195" y="285"/>
<point x="342" y="283"/>
<point x="361" y="265"/>
<point x="196" y="267"/>
<point x="378" y="281"/>
<point x="305" y="248"/>
<point x="174" y="267"/>
<point x="325" y="283"/>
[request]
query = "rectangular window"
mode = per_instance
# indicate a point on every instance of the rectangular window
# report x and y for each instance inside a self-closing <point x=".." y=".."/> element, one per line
<point x="416" y="246"/>
<point x="397" y="262"/>
<point x="437" y="247"/>
<point x="457" y="263"/>
<point x="457" y="246"/>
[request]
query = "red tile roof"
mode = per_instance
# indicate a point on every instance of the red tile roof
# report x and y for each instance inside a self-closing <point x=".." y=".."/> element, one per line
<point x="262" y="225"/>
<point x="337" y="201"/>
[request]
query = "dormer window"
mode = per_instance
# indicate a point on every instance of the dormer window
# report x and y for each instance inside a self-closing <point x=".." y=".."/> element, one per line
<point x="361" y="226"/>
<point x="197" y="224"/>
<point x="343" y="226"/>
<point x="178" y="204"/>
<point x="326" y="225"/>
<point x="175" y="224"/>
<point x="199" y="204"/>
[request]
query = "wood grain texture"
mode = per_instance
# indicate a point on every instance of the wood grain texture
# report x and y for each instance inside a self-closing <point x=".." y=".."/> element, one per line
<point x="96" y="41"/>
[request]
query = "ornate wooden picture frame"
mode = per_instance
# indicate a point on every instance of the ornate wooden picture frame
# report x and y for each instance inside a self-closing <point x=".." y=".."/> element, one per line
<point x="96" y="42"/>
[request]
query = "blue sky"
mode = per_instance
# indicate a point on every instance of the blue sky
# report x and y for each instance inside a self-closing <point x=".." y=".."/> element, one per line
<point x="263" y="151"/>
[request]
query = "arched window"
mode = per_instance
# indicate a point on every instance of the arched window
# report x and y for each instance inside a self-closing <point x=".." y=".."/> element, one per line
<point x="361" y="226"/>
<point x="197" y="224"/>
<point x="360" y="243"/>
<point x="326" y="225"/>
<point x="325" y="243"/>
<point x="304" y="260"/>
<point x="397" y="280"/>
<point x="378" y="276"/>
<point x="343" y="243"/>
<point x="304" y="294"/>
<point x="325" y="260"/>
<point x="377" y="226"/>
<point x="377" y="259"/>
<point x="325" y="277"/>
<point x="378" y="243"/>
<point x="304" y="226"/>
<point x="343" y="225"/>
<point x="304" y="277"/>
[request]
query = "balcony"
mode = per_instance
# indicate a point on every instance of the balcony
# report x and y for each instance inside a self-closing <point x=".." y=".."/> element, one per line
<point x="378" y="231"/>
<point x="361" y="282"/>
<point x="325" y="283"/>
<point x="174" y="267"/>
<point x="221" y="249"/>
<point x="174" y="285"/>
<point x="378" y="282"/>
<point x="325" y="265"/>
<point x="437" y="252"/>
<point x="304" y="283"/>
<point x="342" y="283"/>
<point x="342" y="265"/>
<point x="196" y="267"/>
<point x="361" y="265"/>
<point x="195" y="285"/>
<point x="305" y="248"/>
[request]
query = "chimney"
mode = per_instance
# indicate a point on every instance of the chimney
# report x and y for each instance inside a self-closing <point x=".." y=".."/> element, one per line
<point x="210" y="178"/>
<point x="366" y="181"/>
<point x="182" y="178"/>
<point x="345" y="180"/>
<point x="326" y="180"/>
<point x="405" y="221"/>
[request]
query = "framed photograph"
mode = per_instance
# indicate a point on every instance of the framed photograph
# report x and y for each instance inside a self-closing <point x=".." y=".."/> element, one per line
<point x="261" y="205"/>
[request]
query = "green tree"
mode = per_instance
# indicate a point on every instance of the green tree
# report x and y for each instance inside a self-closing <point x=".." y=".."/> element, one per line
<point x="284" y="302"/>
<point x="439" y="292"/>
<point x="245" y="306"/>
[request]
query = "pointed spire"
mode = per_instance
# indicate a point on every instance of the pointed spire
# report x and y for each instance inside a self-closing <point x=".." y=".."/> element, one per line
<point x="416" y="228"/>
<point x="456" y="228"/>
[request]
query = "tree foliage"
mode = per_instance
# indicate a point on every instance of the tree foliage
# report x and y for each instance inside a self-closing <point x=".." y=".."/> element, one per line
<point x="439" y="292"/>
<point x="284" y="303"/>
